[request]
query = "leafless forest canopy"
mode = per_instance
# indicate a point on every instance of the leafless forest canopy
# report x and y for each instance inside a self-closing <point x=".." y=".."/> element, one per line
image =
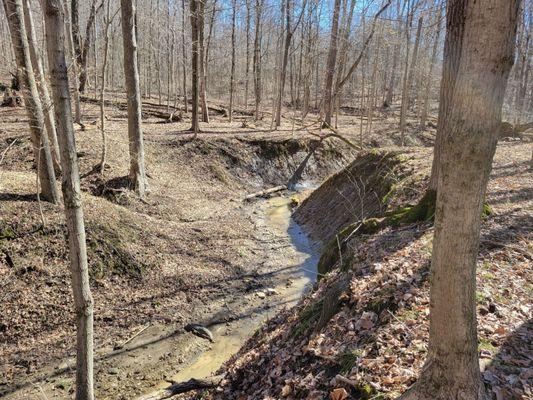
<point x="402" y="59"/>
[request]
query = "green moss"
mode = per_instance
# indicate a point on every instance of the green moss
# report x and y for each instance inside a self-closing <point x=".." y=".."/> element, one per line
<point x="487" y="211"/>
<point x="480" y="297"/>
<point x="7" y="233"/>
<point x="108" y="255"/>
<point x="485" y="344"/>
<point x="294" y="201"/>
<point x="424" y="210"/>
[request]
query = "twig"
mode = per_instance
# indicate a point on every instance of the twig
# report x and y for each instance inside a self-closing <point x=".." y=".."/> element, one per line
<point x="7" y="149"/>
<point x="37" y="182"/>
<point x="132" y="337"/>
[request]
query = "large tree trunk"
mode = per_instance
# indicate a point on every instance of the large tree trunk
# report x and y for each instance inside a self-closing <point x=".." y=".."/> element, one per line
<point x="41" y="147"/>
<point x="194" y="59"/>
<point x="137" y="174"/>
<point x="330" y="67"/>
<point x="478" y="56"/>
<point x="38" y="70"/>
<point x="55" y="37"/>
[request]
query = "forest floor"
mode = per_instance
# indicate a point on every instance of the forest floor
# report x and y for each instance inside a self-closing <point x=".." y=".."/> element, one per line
<point x="192" y="251"/>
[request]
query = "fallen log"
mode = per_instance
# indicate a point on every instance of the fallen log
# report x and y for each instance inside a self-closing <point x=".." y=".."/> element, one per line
<point x="262" y="193"/>
<point x="182" y="387"/>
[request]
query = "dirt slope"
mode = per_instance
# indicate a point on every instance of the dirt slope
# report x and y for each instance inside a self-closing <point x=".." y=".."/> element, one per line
<point x="370" y="338"/>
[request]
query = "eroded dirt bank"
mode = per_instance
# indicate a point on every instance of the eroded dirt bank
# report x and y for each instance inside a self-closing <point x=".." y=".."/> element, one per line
<point x="363" y="331"/>
<point x="192" y="251"/>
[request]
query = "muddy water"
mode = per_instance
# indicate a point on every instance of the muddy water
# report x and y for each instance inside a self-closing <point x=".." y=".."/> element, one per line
<point x="291" y="284"/>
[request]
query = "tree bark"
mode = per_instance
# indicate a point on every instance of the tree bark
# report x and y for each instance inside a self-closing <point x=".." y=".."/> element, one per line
<point x="257" y="58"/>
<point x="201" y="60"/>
<point x="194" y="76"/>
<point x="41" y="147"/>
<point x="184" y="58"/>
<point x="247" y="69"/>
<point x="403" y="111"/>
<point x="38" y="70"/>
<point x="232" y="73"/>
<point x="83" y="57"/>
<point x="107" y="23"/>
<point x="427" y="89"/>
<point x="137" y="174"/>
<point x="289" y="32"/>
<point x="330" y="67"/>
<point x="72" y="56"/>
<point x="478" y="56"/>
<point x="83" y="301"/>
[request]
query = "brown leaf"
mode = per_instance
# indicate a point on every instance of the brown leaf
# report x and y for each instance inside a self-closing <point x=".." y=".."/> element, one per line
<point x="338" y="394"/>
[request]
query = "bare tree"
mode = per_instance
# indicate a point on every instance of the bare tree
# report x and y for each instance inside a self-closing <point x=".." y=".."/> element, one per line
<point x="83" y="301"/>
<point x="202" y="60"/>
<point x="108" y="19"/>
<point x="427" y="88"/>
<point x="257" y="57"/>
<point x="478" y="56"/>
<point x="232" y="73"/>
<point x="289" y="33"/>
<point x="41" y="147"/>
<point x="38" y="70"/>
<point x="330" y="67"/>
<point x="195" y="65"/>
<point x="137" y="174"/>
<point x="82" y="47"/>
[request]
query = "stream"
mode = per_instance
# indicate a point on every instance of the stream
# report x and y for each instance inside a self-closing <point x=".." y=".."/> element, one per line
<point x="291" y="283"/>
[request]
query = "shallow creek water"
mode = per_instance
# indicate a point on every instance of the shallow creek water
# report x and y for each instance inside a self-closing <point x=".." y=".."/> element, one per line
<point x="300" y="273"/>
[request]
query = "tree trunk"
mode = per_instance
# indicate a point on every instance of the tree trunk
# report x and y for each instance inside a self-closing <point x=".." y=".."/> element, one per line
<point x="355" y="64"/>
<point x="72" y="56"/>
<point x="414" y="61"/>
<point x="232" y="73"/>
<point x="257" y="58"/>
<point x="83" y="58"/>
<point x="194" y="75"/>
<point x="83" y="301"/>
<point x="427" y="89"/>
<point x="395" y="58"/>
<point x="137" y="174"/>
<point x="38" y="71"/>
<point x="403" y="111"/>
<point x="184" y="57"/>
<point x="478" y="56"/>
<point x="41" y="147"/>
<point x="107" y="23"/>
<point x="201" y="60"/>
<point x="330" y="67"/>
<point x="247" y="69"/>
<point x="284" y="61"/>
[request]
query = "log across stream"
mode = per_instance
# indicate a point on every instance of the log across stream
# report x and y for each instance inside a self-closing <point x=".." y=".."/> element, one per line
<point x="293" y="281"/>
